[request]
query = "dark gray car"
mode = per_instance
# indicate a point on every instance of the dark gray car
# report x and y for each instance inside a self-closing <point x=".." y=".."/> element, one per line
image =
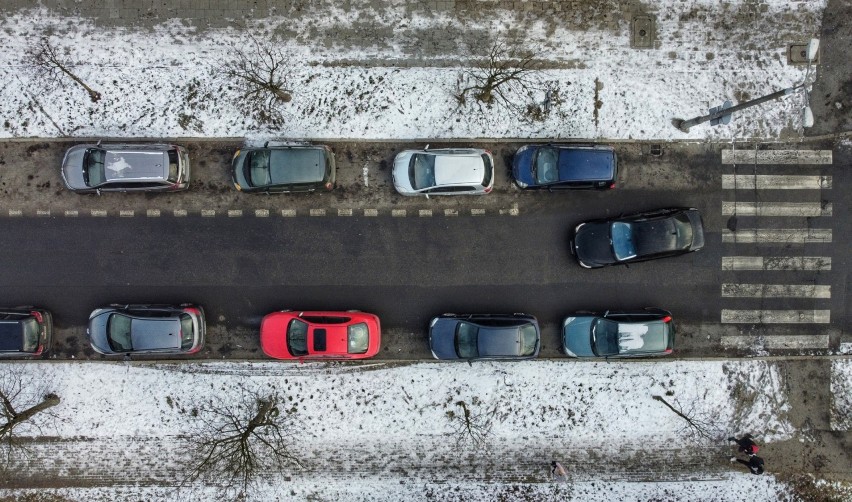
<point x="283" y="169"/>
<point x="484" y="336"/>
<point x="25" y="332"/>
<point x="126" y="168"/>
<point x="151" y="329"/>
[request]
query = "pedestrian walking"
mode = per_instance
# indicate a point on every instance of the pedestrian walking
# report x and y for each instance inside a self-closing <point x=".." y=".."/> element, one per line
<point x="754" y="463"/>
<point x="558" y="471"/>
<point x="746" y="444"/>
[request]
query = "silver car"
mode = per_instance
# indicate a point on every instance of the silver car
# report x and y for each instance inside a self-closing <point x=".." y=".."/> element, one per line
<point x="151" y="329"/>
<point x="449" y="171"/>
<point x="126" y="168"/>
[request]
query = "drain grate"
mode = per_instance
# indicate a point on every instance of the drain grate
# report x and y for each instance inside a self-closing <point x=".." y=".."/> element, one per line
<point x="798" y="54"/>
<point x="643" y="32"/>
<point x="656" y="150"/>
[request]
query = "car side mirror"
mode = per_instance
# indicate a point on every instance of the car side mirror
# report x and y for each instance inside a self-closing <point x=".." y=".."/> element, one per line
<point x="426" y="147"/>
<point x="98" y="191"/>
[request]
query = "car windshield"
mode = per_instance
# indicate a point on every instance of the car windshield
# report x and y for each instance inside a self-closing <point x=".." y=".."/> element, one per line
<point x="421" y="170"/>
<point x="257" y="167"/>
<point x="683" y="228"/>
<point x="93" y="169"/>
<point x="529" y="339"/>
<point x="297" y="338"/>
<point x="467" y="335"/>
<point x="31" y="335"/>
<point x="187" y="332"/>
<point x="118" y="333"/>
<point x="358" y="338"/>
<point x="546" y="166"/>
<point x="622" y="240"/>
<point x="604" y="337"/>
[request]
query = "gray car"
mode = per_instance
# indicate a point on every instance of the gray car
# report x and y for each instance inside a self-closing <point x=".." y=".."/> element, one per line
<point x="484" y="336"/>
<point x="449" y="171"/>
<point x="283" y="169"/>
<point x="638" y="333"/>
<point x="147" y="329"/>
<point x="151" y="167"/>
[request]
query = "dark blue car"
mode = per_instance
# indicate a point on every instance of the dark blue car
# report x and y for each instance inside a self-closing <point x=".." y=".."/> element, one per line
<point x="484" y="336"/>
<point x="556" y="167"/>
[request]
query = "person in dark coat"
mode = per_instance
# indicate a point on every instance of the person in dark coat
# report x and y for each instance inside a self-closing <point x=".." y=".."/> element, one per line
<point x="754" y="463"/>
<point x="746" y="444"/>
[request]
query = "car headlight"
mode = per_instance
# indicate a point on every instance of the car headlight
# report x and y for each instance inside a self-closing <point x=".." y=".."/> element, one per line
<point x="521" y="184"/>
<point x="238" y="187"/>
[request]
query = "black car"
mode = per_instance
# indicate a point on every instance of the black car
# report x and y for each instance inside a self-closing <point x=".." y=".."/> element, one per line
<point x="638" y="237"/>
<point x="25" y="332"/>
<point x="555" y="167"/>
<point x="283" y="169"/>
<point x="640" y="333"/>
<point x="484" y="336"/>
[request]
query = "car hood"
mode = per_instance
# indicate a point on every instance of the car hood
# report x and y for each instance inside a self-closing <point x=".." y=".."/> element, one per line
<point x="97" y="331"/>
<point x="237" y="173"/>
<point x="442" y="337"/>
<point x="273" y="335"/>
<point x="697" y="229"/>
<point x="522" y="164"/>
<point x="72" y="167"/>
<point x="577" y="335"/>
<point x="401" y="180"/>
<point x="592" y="245"/>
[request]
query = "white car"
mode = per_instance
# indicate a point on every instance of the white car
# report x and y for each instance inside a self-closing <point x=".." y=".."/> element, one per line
<point x="448" y="171"/>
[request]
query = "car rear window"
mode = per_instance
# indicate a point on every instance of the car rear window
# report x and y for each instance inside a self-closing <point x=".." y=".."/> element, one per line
<point x="187" y="332"/>
<point x="529" y="339"/>
<point x="489" y="170"/>
<point x="358" y="338"/>
<point x="174" y="162"/>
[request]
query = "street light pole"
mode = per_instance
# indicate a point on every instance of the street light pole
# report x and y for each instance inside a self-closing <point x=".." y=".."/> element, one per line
<point x="684" y="125"/>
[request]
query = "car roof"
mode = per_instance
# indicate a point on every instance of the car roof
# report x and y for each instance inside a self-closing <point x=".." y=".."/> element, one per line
<point x="11" y="336"/>
<point x="127" y="165"/>
<point x="155" y="333"/>
<point x="459" y="169"/>
<point x="296" y="165"/>
<point x="586" y="164"/>
<point x="643" y="337"/>
<point x="499" y="341"/>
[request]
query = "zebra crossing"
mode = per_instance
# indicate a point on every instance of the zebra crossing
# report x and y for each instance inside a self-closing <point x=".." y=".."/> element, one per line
<point x="776" y="243"/>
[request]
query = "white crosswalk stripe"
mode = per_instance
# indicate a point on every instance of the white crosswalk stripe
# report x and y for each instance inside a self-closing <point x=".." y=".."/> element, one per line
<point x="756" y="228"/>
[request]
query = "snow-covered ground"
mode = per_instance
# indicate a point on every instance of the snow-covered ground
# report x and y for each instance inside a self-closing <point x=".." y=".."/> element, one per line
<point x="167" y="82"/>
<point x="366" y="431"/>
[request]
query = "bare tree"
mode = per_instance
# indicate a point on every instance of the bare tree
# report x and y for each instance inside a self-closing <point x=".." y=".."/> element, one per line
<point x="234" y="441"/>
<point x="261" y="74"/>
<point x="697" y="424"/>
<point x="508" y="77"/>
<point x="53" y="67"/>
<point x="471" y="425"/>
<point x="22" y="399"/>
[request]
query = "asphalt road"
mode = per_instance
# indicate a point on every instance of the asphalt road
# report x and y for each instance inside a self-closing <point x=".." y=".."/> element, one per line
<point x="406" y="268"/>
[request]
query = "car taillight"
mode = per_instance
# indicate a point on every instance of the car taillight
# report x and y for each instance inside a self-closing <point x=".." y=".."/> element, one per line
<point x="612" y="185"/>
<point x="37" y="316"/>
<point x="487" y="189"/>
<point x="668" y="318"/>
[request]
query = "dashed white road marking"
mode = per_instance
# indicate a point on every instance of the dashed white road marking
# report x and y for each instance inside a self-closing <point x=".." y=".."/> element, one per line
<point x="775" y="291"/>
<point x="344" y="212"/>
<point x="42" y="212"/>
<point x="776" y="342"/>
<point x="16" y="212"/>
<point x="774" y="182"/>
<point x="71" y="213"/>
<point x="235" y="213"/>
<point x="208" y="213"/>
<point x="371" y="212"/>
<point x="776" y="209"/>
<point x="786" y="235"/>
<point x="424" y="213"/>
<point x="776" y="316"/>
<point x="126" y="213"/>
<point x="179" y="213"/>
<point x="451" y="212"/>
<point x="288" y="213"/>
<point x="261" y="213"/>
<point x="776" y="263"/>
<point x="398" y="212"/>
<point x="99" y="213"/>
<point x="477" y="212"/>
<point x="317" y="212"/>
<point x="803" y="157"/>
<point x="153" y="213"/>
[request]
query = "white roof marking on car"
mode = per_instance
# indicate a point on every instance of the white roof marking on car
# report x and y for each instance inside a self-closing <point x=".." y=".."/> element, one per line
<point x="631" y="336"/>
<point x="456" y="169"/>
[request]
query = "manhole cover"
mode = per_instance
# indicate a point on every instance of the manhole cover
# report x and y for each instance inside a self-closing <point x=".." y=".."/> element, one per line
<point x="643" y="32"/>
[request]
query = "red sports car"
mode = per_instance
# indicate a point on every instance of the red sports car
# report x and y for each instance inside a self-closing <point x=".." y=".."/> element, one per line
<point x="320" y="335"/>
